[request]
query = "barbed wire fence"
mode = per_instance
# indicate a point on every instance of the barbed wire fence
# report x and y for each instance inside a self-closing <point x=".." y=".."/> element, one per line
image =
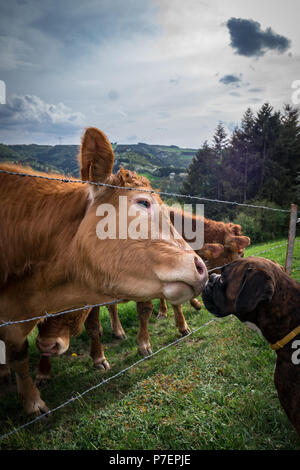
<point x="289" y="258"/>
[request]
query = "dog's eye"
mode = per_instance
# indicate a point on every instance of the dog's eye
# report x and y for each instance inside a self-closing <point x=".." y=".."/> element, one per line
<point x="144" y="203"/>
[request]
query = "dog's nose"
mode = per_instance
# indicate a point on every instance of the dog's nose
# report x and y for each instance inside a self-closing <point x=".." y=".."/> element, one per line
<point x="213" y="278"/>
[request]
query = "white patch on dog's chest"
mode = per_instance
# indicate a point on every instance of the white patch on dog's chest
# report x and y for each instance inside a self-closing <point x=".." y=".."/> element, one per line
<point x="253" y="327"/>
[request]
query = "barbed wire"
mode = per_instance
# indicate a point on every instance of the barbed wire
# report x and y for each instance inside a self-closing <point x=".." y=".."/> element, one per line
<point x="77" y="397"/>
<point x="152" y="191"/>
<point x="50" y="315"/>
<point x="269" y="249"/>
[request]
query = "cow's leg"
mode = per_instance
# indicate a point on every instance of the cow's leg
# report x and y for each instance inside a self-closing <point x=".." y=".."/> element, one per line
<point x="100" y="327"/>
<point x="4" y="375"/>
<point x="19" y="362"/>
<point x="116" y="325"/>
<point x="92" y="326"/>
<point x="196" y="304"/>
<point x="144" y="310"/>
<point x="180" y="320"/>
<point x="162" y="309"/>
<point x="44" y="369"/>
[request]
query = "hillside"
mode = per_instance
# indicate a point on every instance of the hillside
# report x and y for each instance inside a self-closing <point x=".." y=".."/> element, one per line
<point x="165" y="166"/>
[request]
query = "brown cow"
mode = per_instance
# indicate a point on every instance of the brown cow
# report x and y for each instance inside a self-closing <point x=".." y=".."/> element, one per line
<point x="50" y="344"/>
<point x="52" y="259"/>
<point x="55" y="333"/>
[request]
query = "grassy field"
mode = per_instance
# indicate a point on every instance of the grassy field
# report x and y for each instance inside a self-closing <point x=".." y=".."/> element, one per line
<point x="214" y="390"/>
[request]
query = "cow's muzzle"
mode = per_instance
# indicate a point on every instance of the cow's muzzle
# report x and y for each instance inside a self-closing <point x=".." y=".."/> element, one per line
<point x="52" y="346"/>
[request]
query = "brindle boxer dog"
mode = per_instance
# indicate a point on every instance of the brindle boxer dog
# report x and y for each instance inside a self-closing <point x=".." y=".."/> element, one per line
<point x="257" y="290"/>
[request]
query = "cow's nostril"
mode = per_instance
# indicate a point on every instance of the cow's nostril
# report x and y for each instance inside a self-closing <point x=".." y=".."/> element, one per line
<point x="199" y="266"/>
<point x="46" y="346"/>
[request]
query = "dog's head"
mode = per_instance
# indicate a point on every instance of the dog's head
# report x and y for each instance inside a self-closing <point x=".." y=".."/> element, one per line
<point x="241" y="287"/>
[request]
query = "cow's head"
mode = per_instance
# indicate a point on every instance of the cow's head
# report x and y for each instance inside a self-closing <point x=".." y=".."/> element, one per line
<point x="55" y="333"/>
<point x="122" y="265"/>
<point x="234" y="242"/>
<point x="216" y="255"/>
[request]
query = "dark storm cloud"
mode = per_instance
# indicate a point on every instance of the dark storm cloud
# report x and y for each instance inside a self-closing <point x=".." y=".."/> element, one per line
<point x="248" y="39"/>
<point x="229" y="79"/>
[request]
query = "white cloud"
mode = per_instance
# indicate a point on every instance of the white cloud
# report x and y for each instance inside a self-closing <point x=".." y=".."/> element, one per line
<point x="31" y="114"/>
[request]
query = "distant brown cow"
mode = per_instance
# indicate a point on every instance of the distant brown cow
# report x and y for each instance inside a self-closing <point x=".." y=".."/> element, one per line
<point x="51" y="258"/>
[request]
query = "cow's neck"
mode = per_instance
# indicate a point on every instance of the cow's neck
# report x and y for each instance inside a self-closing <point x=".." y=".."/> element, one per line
<point x="64" y="296"/>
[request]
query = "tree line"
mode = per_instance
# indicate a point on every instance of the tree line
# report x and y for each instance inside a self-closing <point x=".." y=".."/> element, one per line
<point x="258" y="164"/>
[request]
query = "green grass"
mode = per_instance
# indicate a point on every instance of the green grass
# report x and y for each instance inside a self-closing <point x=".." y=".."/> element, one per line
<point x="214" y="390"/>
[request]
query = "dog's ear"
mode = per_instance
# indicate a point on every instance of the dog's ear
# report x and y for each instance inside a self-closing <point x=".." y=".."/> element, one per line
<point x="257" y="286"/>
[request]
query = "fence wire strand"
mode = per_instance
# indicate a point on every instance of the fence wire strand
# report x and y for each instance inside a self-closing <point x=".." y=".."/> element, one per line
<point x="50" y="315"/>
<point x="152" y="191"/>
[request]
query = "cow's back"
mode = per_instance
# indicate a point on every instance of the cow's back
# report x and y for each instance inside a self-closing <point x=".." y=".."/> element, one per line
<point x="214" y="231"/>
<point x="37" y="216"/>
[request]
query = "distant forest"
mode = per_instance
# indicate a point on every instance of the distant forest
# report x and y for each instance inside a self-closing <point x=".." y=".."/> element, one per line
<point x="258" y="164"/>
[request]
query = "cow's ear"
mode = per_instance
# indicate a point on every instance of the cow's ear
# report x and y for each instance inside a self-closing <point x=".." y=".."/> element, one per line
<point x="212" y="250"/>
<point x="242" y="242"/>
<point x="96" y="156"/>
<point x="235" y="228"/>
<point x="256" y="287"/>
<point x="237" y="243"/>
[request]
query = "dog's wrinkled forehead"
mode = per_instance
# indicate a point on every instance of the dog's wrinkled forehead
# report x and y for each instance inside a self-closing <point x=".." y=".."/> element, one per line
<point x="235" y="269"/>
<point x="234" y="275"/>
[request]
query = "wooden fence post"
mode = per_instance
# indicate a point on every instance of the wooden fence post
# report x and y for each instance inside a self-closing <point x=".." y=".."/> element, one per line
<point x="291" y="239"/>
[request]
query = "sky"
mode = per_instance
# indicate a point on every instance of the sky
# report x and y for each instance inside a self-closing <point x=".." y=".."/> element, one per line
<point x="156" y="71"/>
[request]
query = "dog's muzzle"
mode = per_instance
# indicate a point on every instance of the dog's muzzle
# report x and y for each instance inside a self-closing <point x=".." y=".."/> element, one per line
<point x="208" y="294"/>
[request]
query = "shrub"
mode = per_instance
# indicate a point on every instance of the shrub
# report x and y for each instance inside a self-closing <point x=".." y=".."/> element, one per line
<point x="262" y="225"/>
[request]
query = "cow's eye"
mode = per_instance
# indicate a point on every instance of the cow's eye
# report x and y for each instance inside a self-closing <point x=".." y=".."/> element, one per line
<point x="144" y="203"/>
